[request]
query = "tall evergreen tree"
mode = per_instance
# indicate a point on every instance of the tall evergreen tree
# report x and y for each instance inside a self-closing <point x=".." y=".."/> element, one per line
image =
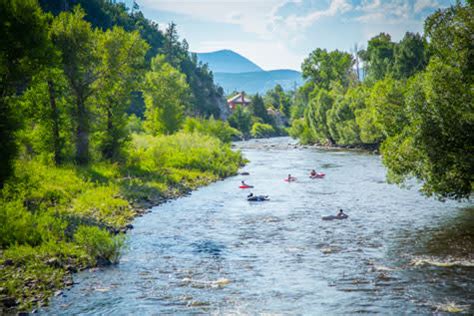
<point x="257" y="107"/>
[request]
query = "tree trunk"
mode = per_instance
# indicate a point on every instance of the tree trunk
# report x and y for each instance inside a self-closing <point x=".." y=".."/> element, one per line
<point x="82" y="132"/>
<point x="8" y="149"/>
<point x="109" y="149"/>
<point x="55" y="119"/>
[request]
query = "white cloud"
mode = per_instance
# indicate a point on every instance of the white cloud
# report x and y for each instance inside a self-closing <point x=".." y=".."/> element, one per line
<point x="389" y="12"/>
<point x="336" y="7"/>
<point x="370" y="5"/>
<point x="420" y="5"/>
<point x="284" y="27"/>
<point x="251" y="16"/>
<point x="259" y="17"/>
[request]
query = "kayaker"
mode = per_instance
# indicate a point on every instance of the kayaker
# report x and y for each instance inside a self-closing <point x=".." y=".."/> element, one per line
<point x="290" y="178"/>
<point x="313" y="173"/>
<point x="341" y="213"/>
<point x="250" y="195"/>
<point x="243" y="183"/>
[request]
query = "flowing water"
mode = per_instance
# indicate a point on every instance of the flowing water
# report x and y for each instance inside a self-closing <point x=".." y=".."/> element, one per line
<point x="215" y="253"/>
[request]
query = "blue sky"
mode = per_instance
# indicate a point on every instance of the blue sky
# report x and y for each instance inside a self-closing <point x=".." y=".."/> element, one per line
<point x="278" y="34"/>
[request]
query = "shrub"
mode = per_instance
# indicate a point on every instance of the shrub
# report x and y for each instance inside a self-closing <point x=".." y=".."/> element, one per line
<point x="99" y="244"/>
<point x="299" y="129"/>
<point x="212" y="127"/>
<point x="185" y="151"/>
<point x="104" y="204"/>
<point x="261" y="130"/>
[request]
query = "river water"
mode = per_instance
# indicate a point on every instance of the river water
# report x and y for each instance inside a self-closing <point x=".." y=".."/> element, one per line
<point x="215" y="253"/>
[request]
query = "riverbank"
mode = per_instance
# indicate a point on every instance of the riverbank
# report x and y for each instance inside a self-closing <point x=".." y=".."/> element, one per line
<point x="59" y="220"/>
<point x="294" y="143"/>
<point x="215" y="253"/>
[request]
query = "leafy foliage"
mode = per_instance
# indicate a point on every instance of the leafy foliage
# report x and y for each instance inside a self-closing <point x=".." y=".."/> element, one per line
<point x="241" y="120"/>
<point x="261" y="130"/>
<point x="166" y="94"/>
<point x="99" y="244"/>
<point x="322" y="67"/>
<point x="415" y="102"/>
<point x="24" y="48"/>
<point x="212" y="127"/>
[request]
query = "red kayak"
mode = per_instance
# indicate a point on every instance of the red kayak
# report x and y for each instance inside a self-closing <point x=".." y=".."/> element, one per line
<point x="318" y="176"/>
<point x="246" y="186"/>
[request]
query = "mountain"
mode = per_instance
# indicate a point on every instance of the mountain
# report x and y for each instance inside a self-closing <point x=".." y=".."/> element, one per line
<point x="258" y="81"/>
<point x="227" y="61"/>
<point x="234" y="72"/>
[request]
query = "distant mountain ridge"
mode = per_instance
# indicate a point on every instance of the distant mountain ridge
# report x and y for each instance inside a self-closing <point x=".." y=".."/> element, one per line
<point x="227" y="61"/>
<point x="234" y="72"/>
<point x="259" y="81"/>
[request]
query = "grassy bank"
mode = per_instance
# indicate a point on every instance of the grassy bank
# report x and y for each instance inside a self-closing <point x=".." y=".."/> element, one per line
<point x="58" y="220"/>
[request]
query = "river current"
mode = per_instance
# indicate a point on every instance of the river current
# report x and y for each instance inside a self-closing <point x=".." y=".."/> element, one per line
<point x="215" y="253"/>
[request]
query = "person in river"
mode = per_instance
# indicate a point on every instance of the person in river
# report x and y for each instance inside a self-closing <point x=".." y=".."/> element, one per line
<point x="250" y="195"/>
<point x="243" y="183"/>
<point x="290" y="178"/>
<point x="313" y="173"/>
<point x="341" y="213"/>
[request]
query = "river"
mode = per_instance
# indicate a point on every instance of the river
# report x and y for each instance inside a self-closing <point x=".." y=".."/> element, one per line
<point x="215" y="253"/>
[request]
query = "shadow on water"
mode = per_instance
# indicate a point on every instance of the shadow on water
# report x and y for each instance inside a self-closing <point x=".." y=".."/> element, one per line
<point x="455" y="238"/>
<point x="208" y="247"/>
<point x="451" y="239"/>
<point x="443" y="257"/>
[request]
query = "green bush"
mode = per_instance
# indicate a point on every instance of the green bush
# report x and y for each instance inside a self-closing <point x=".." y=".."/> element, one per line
<point x="16" y="225"/>
<point x="184" y="151"/>
<point x="99" y="244"/>
<point x="299" y="129"/>
<point x="104" y="204"/>
<point x="212" y="127"/>
<point x="261" y="130"/>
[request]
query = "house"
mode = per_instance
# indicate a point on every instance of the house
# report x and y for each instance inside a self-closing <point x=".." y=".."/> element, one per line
<point x="239" y="99"/>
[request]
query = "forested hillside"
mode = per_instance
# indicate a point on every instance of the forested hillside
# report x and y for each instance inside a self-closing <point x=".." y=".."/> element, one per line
<point x="206" y="98"/>
<point x="416" y="102"/>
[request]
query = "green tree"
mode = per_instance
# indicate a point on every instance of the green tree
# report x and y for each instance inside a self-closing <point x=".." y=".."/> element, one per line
<point x="386" y="100"/>
<point x="241" y="119"/>
<point x="378" y="57"/>
<point x="77" y="43"/>
<point x="322" y="68"/>
<point x="257" y="108"/>
<point x="319" y="105"/>
<point x="24" y="48"/>
<point x="436" y="141"/>
<point x="46" y="113"/>
<point x="341" y="118"/>
<point x="279" y="100"/>
<point x="301" y="100"/>
<point x="450" y="34"/>
<point x="173" y="50"/>
<point x="122" y="61"/>
<point x="166" y="96"/>
<point x="410" y="56"/>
